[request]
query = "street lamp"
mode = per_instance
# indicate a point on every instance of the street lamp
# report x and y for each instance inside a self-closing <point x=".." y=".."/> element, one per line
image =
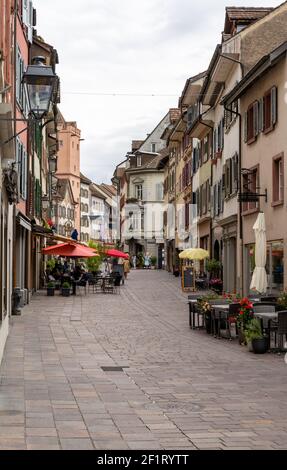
<point x="39" y="81"/>
<point x="45" y="202"/>
<point x="52" y="164"/>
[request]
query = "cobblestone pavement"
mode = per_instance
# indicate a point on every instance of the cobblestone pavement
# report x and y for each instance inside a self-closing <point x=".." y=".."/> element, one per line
<point x="177" y="389"/>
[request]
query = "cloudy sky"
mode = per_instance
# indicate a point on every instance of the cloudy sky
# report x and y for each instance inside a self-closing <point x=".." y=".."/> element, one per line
<point x="132" y="47"/>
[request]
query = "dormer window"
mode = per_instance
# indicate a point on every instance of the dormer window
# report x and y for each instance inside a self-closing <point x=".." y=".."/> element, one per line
<point x="153" y="147"/>
<point x="139" y="161"/>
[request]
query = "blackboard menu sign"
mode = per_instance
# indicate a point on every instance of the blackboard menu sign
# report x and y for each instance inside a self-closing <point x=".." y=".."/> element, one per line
<point x="188" y="279"/>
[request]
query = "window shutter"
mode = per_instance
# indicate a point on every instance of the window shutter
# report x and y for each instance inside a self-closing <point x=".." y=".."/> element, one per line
<point x="245" y="126"/>
<point x="222" y="134"/>
<point x="214" y="141"/>
<point x="211" y="189"/>
<point x="215" y="204"/>
<point x="256" y="118"/>
<point x="221" y="196"/>
<point x="274" y="105"/>
<point x="236" y="172"/>
<point x="227" y="177"/>
<point x="24" y="174"/>
<point x="261" y="115"/>
<point x="224" y="181"/>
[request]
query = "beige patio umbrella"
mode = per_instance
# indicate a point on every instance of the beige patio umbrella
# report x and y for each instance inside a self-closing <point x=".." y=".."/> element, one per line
<point x="259" y="279"/>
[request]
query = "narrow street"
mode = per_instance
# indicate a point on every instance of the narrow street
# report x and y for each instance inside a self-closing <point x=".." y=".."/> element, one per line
<point x="176" y="389"/>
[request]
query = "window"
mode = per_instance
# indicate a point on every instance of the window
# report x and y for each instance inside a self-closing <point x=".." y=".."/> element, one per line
<point x="270" y="109"/>
<point x="159" y="192"/>
<point x="139" y="161"/>
<point x="153" y="147"/>
<point x="230" y="116"/>
<point x="230" y="172"/>
<point x="218" y="138"/>
<point x="251" y="185"/>
<point x="187" y="215"/>
<point x="21" y="159"/>
<point x="20" y="89"/>
<point x="251" y="123"/>
<point x="278" y="180"/>
<point x="139" y="192"/>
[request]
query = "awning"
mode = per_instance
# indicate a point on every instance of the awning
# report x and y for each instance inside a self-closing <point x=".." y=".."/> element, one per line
<point x="46" y="233"/>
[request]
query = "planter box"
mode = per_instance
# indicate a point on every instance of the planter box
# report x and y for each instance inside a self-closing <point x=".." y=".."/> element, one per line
<point x="260" y="346"/>
<point x="66" y="292"/>
<point x="50" y="291"/>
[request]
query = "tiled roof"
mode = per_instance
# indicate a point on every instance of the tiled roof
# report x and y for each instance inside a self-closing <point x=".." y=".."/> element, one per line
<point x="174" y="114"/>
<point x="246" y="13"/>
<point x="84" y="179"/>
<point x="153" y="163"/>
<point x="136" y="144"/>
<point x="95" y="192"/>
<point x="109" y="188"/>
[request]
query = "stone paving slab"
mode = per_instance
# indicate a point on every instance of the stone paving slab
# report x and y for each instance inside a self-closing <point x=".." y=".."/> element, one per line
<point x="177" y="387"/>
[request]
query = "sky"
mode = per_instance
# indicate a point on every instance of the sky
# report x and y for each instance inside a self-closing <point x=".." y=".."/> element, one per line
<point x="127" y="47"/>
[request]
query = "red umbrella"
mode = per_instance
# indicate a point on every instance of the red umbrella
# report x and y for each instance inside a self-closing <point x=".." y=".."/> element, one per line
<point x="70" y="250"/>
<point x="117" y="254"/>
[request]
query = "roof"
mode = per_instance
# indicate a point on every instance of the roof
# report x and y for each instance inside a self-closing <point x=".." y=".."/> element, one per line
<point x="189" y="82"/>
<point x="95" y="192"/>
<point x="247" y="13"/>
<point x="261" y="68"/>
<point x="136" y="144"/>
<point x="174" y="114"/>
<point x="243" y="15"/>
<point x="84" y="179"/>
<point x="109" y="188"/>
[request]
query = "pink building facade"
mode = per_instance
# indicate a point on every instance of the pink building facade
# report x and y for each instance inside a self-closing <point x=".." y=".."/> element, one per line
<point x="69" y="162"/>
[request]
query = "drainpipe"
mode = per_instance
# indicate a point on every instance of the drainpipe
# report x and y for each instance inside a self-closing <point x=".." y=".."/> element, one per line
<point x="15" y="131"/>
<point x="211" y="182"/>
<point x="236" y="113"/>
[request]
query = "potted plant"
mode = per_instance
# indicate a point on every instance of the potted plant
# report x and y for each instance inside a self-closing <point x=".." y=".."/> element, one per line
<point x="282" y="301"/>
<point x="51" y="289"/>
<point x="244" y="317"/>
<point x="153" y="261"/>
<point x="255" y="337"/>
<point x="204" y="308"/>
<point x="216" y="285"/>
<point x="213" y="267"/>
<point x="66" y="289"/>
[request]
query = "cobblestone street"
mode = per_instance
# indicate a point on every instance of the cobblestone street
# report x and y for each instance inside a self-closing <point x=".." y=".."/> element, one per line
<point x="177" y="389"/>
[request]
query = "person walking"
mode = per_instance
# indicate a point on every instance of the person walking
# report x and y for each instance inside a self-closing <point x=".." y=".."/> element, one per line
<point x="126" y="268"/>
<point x="147" y="261"/>
<point x="135" y="262"/>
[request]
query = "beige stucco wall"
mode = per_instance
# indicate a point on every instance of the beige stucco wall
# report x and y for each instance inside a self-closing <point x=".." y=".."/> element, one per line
<point x="262" y="152"/>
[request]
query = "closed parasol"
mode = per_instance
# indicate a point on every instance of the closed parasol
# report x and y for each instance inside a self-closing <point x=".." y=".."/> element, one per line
<point x="259" y="278"/>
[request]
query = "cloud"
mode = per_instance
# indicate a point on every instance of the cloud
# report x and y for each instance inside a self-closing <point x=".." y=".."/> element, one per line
<point x="127" y="46"/>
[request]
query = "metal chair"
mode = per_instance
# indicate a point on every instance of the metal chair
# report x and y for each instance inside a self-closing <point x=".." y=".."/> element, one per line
<point x="109" y="285"/>
<point x="192" y="310"/>
<point x="279" y="328"/>
<point x="225" y="316"/>
<point x="216" y="317"/>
